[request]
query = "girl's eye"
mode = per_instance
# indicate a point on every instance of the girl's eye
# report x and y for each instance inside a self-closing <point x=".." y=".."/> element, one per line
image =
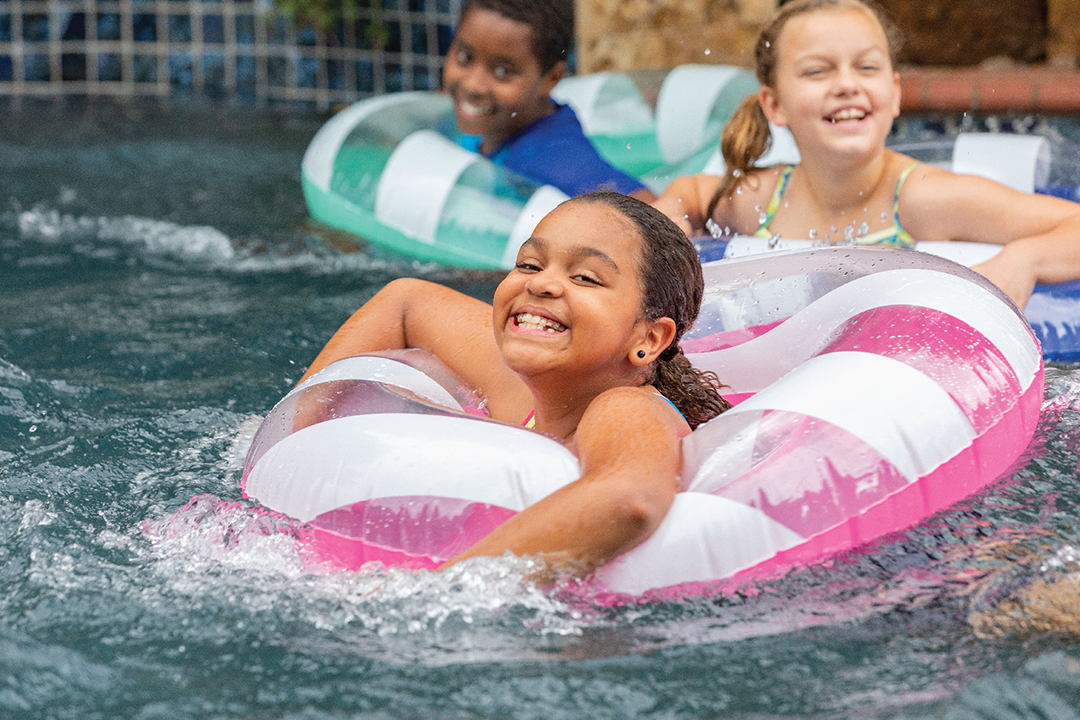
<point x="501" y="72"/>
<point x="462" y="57"/>
<point x="526" y="266"/>
<point x="586" y="279"/>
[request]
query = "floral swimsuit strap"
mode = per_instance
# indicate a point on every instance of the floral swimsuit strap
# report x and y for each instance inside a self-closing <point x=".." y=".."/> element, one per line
<point x="774" y="203"/>
<point x="894" y="236"/>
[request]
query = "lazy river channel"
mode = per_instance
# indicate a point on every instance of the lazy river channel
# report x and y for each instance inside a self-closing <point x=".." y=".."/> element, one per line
<point x="161" y="288"/>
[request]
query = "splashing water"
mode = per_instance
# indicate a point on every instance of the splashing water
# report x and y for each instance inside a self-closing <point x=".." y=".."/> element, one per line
<point x="162" y="289"/>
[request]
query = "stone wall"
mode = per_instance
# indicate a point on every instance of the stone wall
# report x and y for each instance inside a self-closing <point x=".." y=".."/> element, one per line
<point x="645" y="34"/>
<point x="968" y="32"/>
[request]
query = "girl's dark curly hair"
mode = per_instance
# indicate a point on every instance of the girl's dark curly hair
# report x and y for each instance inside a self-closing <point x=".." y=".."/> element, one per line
<point x="673" y="288"/>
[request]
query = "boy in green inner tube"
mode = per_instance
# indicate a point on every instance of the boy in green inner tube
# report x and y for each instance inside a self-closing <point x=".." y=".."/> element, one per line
<point x="504" y="61"/>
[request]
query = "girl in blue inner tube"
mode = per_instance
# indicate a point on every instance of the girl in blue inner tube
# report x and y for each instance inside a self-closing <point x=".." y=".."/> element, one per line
<point x="581" y="343"/>
<point x="827" y="73"/>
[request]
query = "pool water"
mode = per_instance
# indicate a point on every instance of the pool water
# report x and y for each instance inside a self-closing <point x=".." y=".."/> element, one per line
<point x="160" y="289"/>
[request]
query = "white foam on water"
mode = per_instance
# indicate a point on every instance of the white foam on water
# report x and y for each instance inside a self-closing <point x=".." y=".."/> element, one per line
<point x="160" y="237"/>
<point x="250" y="557"/>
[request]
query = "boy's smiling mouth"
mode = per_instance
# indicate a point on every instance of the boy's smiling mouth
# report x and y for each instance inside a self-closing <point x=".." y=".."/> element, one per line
<point x="472" y="110"/>
<point x="529" y="321"/>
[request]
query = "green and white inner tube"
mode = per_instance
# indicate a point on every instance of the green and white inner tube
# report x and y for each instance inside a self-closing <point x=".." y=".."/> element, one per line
<point x="390" y="169"/>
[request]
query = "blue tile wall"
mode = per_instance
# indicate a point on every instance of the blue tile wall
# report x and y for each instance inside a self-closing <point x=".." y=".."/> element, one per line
<point x="246" y="52"/>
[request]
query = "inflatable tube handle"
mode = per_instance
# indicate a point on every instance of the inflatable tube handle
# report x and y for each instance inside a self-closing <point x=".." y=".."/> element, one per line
<point x="318" y="163"/>
<point x="581" y="94"/>
<point x="605" y="103"/>
<point x="544" y="200"/>
<point x="386" y="371"/>
<point x="417" y="181"/>
<point x="1021" y="162"/>
<point x="685" y="104"/>
<point x="964" y="253"/>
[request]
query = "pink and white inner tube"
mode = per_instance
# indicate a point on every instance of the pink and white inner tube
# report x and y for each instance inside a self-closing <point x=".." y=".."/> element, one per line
<point x="874" y="387"/>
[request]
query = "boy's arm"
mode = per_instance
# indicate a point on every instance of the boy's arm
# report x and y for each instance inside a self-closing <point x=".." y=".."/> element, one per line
<point x="625" y="490"/>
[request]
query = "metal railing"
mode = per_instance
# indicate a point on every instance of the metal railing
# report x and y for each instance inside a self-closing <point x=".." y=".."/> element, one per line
<point x="230" y="50"/>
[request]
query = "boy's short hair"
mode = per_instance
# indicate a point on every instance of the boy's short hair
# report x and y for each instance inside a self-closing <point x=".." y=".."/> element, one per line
<point x="552" y="23"/>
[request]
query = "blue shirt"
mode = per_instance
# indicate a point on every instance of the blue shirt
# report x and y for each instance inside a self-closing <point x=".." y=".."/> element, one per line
<point x="555" y="151"/>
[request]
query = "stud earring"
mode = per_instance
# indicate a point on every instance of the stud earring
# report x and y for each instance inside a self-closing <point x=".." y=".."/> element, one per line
<point x="641" y="353"/>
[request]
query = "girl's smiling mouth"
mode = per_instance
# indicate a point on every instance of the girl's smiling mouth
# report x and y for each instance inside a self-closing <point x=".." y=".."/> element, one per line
<point x="847" y="114"/>
<point x="528" y="321"/>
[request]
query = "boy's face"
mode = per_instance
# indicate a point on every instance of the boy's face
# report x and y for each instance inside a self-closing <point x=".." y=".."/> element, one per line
<point x="494" y="78"/>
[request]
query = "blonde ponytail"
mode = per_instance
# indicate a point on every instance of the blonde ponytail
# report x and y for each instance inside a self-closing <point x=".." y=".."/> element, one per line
<point x="744" y="140"/>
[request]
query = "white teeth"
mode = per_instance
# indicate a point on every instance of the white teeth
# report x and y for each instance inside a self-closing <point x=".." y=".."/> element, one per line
<point x="536" y="322"/>
<point x="847" y="114"/>
<point x="469" y="109"/>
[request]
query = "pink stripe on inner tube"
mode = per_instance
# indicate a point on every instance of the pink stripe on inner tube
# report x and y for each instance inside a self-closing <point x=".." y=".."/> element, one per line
<point x="404" y="531"/>
<point x="957" y="357"/>
<point x="795" y="485"/>
<point x="726" y="339"/>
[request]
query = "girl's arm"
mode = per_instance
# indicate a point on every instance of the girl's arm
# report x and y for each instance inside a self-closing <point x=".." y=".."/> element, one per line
<point x="1041" y="234"/>
<point x="628" y="445"/>
<point x="456" y="328"/>
<point x="686" y="199"/>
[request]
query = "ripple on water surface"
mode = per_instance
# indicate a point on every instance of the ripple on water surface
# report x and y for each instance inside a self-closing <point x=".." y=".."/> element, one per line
<point x="144" y="331"/>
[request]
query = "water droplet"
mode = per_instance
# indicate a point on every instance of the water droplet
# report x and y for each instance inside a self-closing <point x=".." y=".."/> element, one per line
<point x="813" y="233"/>
<point x="849" y="234"/>
<point x="736" y="173"/>
<point x="738" y="190"/>
<point x="773" y="240"/>
<point x="33" y="428"/>
<point x="707" y="51"/>
<point x="768" y="44"/>
<point x="832" y="229"/>
<point x="627" y="146"/>
<point x="884" y="216"/>
<point x="762" y="217"/>
<point x="864" y="230"/>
